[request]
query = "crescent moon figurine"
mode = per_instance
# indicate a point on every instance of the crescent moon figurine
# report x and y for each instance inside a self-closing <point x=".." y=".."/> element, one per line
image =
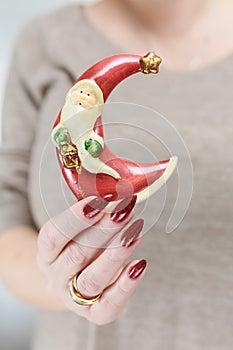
<point x="88" y="165"/>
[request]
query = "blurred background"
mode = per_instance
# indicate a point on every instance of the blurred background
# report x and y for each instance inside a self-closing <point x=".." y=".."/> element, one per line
<point x="13" y="15"/>
<point x="16" y="319"/>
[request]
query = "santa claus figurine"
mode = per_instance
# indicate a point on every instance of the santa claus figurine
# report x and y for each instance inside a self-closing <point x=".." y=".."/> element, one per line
<point x="87" y="164"/>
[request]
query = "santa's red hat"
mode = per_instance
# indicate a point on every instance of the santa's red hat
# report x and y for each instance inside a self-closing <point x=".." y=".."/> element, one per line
<point x="109" y="72"/>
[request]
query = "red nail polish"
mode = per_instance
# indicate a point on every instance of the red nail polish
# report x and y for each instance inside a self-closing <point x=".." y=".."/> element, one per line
<point x="94" y="207"/>
<point x="137" y="269"/>
<point x="110" y="197"/>
<point x="132" y="233"/>
<point x="123" y="209"/>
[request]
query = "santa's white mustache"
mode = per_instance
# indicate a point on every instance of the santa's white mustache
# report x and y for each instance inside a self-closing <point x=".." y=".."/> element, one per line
<point x="80" y="103"/>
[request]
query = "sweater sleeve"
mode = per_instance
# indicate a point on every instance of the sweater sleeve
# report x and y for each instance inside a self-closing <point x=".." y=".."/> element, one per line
<point x="21" y="103"/>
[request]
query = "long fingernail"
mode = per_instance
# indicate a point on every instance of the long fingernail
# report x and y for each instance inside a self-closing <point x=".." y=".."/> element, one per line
<point x="123" y="209"/>
<point x="132" y="233"/>
<point x="94" y="207"/>
<point x="137" y="269"/>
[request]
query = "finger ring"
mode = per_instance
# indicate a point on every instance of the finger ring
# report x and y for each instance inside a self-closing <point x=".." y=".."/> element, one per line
<point x="77" y="297"/>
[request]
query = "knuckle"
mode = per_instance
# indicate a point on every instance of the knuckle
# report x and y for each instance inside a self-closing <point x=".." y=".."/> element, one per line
<point x="74" y="255"/>
<point x="122" y="290"/>
<point x="112" y="306"/>
<point x="45" y="240"/>
<point x="116" y="255"/>
<point x="88" y="285"/>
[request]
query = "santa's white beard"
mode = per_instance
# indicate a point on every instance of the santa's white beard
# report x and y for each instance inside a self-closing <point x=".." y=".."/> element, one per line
<point x="79" y="121"/>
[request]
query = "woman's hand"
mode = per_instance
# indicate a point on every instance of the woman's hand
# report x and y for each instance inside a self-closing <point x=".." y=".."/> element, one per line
<point x="85" y="241"/>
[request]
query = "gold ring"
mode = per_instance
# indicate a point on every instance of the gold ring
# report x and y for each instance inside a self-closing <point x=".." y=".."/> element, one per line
<point x="77" y="297"/>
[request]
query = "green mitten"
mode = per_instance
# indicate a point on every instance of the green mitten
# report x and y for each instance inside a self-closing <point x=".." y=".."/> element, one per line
<point x="93" y="147"/>
<point x="61" y="136"/>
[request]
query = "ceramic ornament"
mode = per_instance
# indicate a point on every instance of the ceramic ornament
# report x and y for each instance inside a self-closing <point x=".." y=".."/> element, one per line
<point x="88" y="165"/>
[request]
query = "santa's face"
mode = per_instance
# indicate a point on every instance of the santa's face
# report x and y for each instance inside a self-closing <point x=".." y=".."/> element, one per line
<point x="83" y="96"/>
<point x="83" y="105"/>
